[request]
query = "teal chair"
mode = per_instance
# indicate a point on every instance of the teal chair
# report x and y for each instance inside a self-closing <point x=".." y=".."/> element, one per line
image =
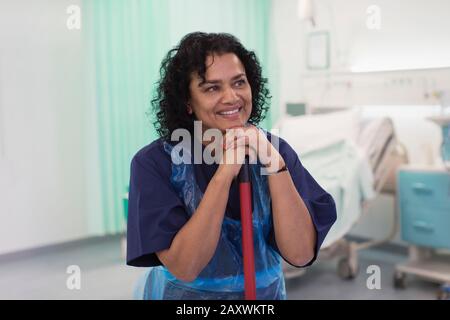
<point x="125" y="204"/>
<point x="125" y="215"/>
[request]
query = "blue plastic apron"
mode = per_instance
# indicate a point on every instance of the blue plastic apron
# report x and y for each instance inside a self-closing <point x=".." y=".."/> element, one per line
<point x="222" y="278"/>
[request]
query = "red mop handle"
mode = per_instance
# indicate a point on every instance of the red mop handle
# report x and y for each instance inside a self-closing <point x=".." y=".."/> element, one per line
<point x="245" y="191"/>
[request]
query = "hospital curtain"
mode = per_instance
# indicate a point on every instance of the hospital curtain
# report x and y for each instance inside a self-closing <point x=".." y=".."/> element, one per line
<point x="126" y="41"/>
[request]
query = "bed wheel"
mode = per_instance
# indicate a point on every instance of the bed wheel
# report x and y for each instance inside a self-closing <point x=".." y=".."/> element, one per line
<point x="345" y="270"/>
<point x="399" y="280"/>
<point x="444" y="292"/>
<point x="443" y="295"/>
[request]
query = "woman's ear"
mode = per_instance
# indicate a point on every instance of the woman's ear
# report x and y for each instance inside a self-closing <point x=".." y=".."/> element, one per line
<point x="189" y="108"/>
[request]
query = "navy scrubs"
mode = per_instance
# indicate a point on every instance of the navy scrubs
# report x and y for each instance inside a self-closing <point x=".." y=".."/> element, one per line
<point x="156" y="213"/>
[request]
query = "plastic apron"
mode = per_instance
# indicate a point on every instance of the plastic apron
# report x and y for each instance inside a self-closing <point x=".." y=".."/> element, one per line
<point x="222" y="278"/>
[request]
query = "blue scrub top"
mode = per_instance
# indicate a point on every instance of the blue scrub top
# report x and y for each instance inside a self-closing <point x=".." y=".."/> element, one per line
<point x="156" y="213"/>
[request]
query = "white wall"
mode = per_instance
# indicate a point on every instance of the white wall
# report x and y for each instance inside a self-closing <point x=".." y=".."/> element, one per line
<point x="289" y="42"/>
<point x="414" y="33"/>
<point x="411" y="33"/>
<point x="42" y="103"/>
<point x="402" y="88"/>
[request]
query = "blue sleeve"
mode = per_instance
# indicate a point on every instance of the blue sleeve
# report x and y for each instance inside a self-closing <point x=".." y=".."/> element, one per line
<point x="320" y="203"/>
<point x="155" y="213"/>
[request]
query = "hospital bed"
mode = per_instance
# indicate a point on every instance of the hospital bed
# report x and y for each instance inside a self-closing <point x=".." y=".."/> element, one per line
<point x="354" y="161"/>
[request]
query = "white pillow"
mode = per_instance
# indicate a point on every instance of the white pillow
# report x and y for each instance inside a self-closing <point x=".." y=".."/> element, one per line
<point x="422" y="139"/>
<point x="311" y="132"/>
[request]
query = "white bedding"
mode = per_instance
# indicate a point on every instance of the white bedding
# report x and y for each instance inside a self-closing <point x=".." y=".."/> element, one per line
<point x="312" y="132"/>
<point x="345" y="173"/>
<point x="326" y="147"/>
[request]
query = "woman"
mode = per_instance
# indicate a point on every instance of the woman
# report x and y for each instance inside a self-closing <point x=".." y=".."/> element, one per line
<point x="184" y="218"/>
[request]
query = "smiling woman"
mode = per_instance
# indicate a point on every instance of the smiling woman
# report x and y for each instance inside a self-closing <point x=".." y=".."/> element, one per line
<point x="204" y="70"/>
<point x="184" y="218"/>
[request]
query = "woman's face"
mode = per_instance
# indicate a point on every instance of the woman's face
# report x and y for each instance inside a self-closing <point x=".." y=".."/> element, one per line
<point x="224" y="99"/>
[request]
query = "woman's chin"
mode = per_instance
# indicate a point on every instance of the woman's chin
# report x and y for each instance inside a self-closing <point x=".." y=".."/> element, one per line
<point x="234" y="124"/>
<point x="228" y="124"/>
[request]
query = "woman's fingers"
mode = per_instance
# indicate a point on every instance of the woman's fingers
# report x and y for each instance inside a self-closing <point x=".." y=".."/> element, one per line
<point x="249" y="133"/>
<point x="241" y="141"/>
<point x="231" y="139"/>
<point x="235" y="155"/>
<point x="237" y="151"/>
<point x="249" y="150"/>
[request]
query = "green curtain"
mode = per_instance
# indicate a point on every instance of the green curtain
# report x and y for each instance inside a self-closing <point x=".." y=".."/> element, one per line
<point x="126" y="41"/>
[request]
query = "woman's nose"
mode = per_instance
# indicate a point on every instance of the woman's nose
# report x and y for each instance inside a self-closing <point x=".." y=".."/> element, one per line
<point x="229" y="96"/>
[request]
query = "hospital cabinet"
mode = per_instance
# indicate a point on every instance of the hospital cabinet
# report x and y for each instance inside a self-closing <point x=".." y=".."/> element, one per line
<point x="424" y="199"/>
<point x="424" y="206"/>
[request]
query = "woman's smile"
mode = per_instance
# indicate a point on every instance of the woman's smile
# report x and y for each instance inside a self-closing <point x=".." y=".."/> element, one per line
<point x="231" y="113"/>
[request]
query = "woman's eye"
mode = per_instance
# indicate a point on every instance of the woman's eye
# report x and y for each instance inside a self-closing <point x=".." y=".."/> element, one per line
<point x="211" y="89"/>
<point x="240" y="83"/>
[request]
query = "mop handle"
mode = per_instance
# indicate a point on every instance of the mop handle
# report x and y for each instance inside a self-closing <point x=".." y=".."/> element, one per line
<point x="245" y="191"/>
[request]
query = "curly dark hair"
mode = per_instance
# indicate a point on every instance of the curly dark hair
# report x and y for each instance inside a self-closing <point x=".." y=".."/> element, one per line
<point x="189" y="56"/>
